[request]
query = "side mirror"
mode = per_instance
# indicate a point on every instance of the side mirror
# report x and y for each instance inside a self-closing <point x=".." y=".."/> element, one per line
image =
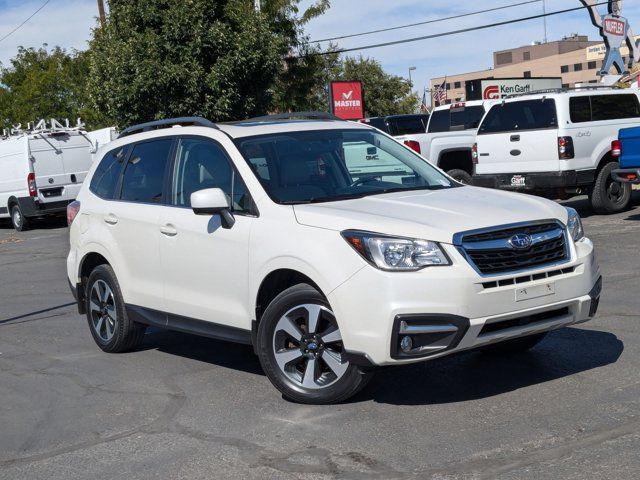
<point x="213" y="201"/>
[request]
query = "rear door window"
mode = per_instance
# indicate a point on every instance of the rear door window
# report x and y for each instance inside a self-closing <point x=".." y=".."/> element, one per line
<point x="407" y="125"/>
<point x="466" y="118"/>
<point x="440" y="121"/>
<point x="143" y="179"/>
<point x="518" y="116"/>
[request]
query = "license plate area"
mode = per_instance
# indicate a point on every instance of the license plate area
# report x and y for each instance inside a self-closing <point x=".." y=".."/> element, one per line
<point x="535" y="291"/>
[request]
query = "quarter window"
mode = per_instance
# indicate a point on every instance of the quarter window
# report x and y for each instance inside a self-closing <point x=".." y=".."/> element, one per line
<point x="202" y="164"/>
<point x="144" y="174"/>
<point x="105" y="178"/>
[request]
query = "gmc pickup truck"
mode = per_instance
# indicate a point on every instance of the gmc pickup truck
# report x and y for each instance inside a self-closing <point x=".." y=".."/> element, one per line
<point x="627" y="150"/>
<point x="449" y="138"/>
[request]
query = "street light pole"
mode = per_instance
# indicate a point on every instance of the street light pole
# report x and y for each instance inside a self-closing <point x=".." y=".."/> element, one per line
<point x="411" y="69"/>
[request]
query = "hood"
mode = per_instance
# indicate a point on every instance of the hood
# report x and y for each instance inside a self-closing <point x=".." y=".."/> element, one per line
<point x="429" y="214"/>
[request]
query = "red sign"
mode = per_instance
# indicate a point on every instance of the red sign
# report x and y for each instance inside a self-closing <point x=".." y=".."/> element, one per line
<point x="614" y="27"/>
<point x="492" y="92"/>
<point x="347" y="100"/>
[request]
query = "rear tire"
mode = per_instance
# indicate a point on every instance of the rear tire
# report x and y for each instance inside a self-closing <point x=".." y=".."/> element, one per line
<point x="18" y="220"/>
<point x="517" y="345"/>
<point x="110" y="326"/>
<point x="301" y="351"/>
<point x="608" y="196"/>
<point x="461" y="176"/>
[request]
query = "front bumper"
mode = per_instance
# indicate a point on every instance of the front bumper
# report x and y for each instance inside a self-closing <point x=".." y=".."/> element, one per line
<point x="535" y="181"/>
<point x="626" y="175"/>
<point x="372" y="303"/>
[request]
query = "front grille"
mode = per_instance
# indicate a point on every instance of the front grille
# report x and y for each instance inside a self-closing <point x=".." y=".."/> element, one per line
<point x="491" y="252"/>
<point x="525" y="321"/>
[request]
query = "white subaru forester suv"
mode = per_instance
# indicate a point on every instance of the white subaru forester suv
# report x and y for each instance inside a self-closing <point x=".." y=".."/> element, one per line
<point x="259" y="232"/>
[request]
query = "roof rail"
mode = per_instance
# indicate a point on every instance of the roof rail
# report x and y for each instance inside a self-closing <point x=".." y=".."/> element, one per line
<point x="564" y="90"/>
<point x="294" y="116"/>
<point x="168" y="123"/>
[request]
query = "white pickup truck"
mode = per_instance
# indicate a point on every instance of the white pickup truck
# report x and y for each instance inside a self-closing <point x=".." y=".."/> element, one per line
<point x="450" y="135"/>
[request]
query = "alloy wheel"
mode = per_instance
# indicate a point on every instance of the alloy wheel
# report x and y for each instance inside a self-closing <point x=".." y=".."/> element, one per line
<point x="308" y="348"/>
<point x="103" y="310"/>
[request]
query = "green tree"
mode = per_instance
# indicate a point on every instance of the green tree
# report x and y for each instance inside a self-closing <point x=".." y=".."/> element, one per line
<point x="384" y="94"/>
<point x="42" y="83"/>
<point x="218" y="59"/>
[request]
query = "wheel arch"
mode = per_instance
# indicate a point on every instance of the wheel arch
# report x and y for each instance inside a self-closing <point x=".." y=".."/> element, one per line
<point x="456" y="158"/>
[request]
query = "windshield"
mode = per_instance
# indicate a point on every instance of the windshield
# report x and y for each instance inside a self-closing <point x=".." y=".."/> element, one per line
<point x="329" y="165"/>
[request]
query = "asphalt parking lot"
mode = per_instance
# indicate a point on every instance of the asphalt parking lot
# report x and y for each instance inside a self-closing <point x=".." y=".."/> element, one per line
<point x="184" y="407"/>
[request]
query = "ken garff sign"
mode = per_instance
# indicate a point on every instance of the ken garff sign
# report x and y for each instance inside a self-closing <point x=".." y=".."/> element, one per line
<point x="347" y="100"/>
<point x="614" y="29"/>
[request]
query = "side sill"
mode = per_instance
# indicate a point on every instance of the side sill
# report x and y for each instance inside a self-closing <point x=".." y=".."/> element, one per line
<point x="193" y="326"/>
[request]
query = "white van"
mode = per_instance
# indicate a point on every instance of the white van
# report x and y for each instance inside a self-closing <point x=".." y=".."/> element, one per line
<point x="557" y="144"/>
<point x="41" y="171"/>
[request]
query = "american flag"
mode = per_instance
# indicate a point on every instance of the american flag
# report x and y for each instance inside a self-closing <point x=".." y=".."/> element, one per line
<point x="440" y="92"/>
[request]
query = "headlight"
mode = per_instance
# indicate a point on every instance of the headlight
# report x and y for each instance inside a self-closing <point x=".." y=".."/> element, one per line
<point x="396" y="254"/>
<point x="574" y="224"/>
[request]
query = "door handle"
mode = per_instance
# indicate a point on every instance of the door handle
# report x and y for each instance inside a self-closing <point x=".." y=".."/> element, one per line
<point x="111" y="219"/>
<point x="168" y="230"/>
<point x="515" y="138"/>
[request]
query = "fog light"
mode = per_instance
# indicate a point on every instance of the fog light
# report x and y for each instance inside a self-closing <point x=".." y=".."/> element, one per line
<point x="406" y="344"/>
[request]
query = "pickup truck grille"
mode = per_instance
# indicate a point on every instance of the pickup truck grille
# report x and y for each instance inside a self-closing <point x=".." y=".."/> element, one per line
<point x="497" y="251"/>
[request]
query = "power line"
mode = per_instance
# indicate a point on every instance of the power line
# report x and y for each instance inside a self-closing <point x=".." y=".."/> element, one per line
<point x="452" y="32"/>
<point x="22" y="24"/>
<point x="453" y="17"/>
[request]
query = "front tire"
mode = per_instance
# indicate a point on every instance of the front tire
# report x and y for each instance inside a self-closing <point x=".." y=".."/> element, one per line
<point x="461" y="176"/>
<point x="608" y="196"/>
<point x="18" y="220"/>
<point x="301" y="351"/>
<point x="110" y="326"/>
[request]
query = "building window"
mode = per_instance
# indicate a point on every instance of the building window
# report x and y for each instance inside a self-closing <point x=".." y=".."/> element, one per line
<point x="593" y="81"/>
<point x="456" y="85"/>
<point x="565" y="85"/>
<point x="448" y="86"/>
<point x="503" y="58"/>
<point x="592" y="65"/>
<point x="577" y="67"/>
<point x="527" y="74"/>
<point x="564" y="69"/>
<point x="526" y="56"/>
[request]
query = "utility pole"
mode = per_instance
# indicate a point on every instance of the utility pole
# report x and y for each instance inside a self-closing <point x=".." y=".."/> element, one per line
<point x="411" y="69"/>
<point x="544" y="12"/>
<point x="101" y="13"/>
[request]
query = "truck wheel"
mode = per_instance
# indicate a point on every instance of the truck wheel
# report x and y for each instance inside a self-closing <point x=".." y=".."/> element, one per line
<point x="460" y="176"/>
<point x="517" y="345"/>
<point x="300" y="349"/>
<point x="18" y="220"/>
<point x="608" y="196"/>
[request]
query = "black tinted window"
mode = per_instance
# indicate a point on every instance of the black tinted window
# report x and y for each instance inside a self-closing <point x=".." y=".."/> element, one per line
<point x="440" y="121"/>
<point x="523" y="115"/>
<point x="144" y="174"/>
<point x="377" y="122"/>
<point x="580" y="109"/>
<point x="105" y="178"/>
<point x="204" y="164"/>
<point x="611" y="107"/>
<point x="466" y="118"/>
<point x="408" y="125"/>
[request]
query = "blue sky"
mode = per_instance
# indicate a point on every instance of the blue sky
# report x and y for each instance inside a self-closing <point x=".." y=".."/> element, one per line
<point x="68" y="23"/>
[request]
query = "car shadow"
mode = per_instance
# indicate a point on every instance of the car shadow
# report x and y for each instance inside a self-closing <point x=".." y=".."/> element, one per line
<point x="208" y="350"/>
<point x="462" y="377"/>
<point x="475" y="375"/>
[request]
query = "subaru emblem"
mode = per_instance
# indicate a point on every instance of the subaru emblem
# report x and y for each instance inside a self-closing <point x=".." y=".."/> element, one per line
<point x="521" y="241"/>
